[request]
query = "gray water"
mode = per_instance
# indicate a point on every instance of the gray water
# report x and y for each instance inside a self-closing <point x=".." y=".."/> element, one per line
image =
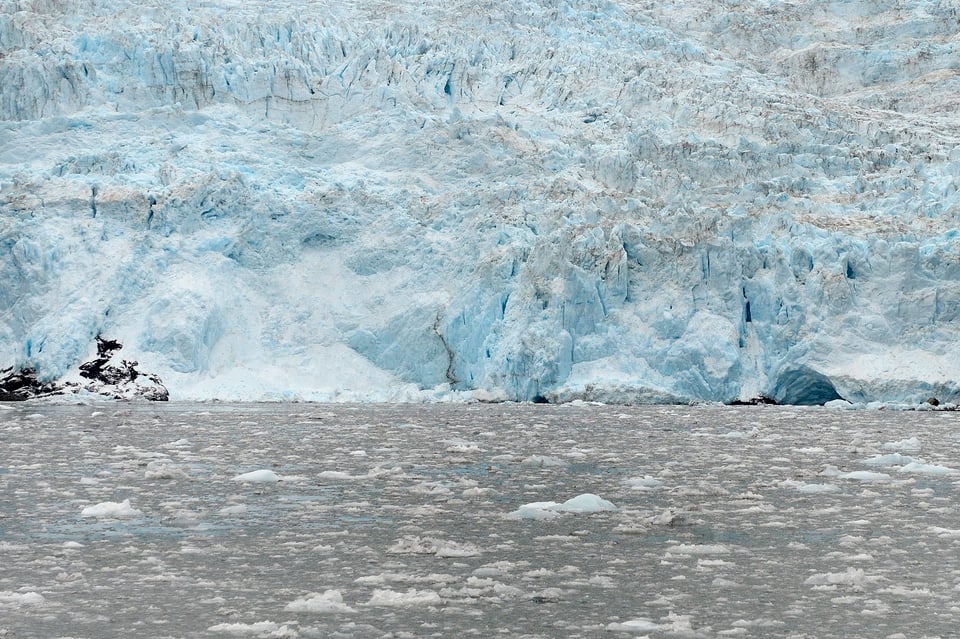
<point x="395" y="521"/>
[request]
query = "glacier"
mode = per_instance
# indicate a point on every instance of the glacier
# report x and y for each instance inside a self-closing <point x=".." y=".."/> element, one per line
<point x="543" y="200"/>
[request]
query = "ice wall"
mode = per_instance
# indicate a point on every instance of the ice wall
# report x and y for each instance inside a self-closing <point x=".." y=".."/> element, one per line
<point x="613" y="201"/>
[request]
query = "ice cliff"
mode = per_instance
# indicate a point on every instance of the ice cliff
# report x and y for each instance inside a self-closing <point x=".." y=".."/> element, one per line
<point x="629" y="202"/>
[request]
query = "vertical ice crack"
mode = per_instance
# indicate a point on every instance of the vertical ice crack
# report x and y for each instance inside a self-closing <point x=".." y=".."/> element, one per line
<point x="451" y="376"/>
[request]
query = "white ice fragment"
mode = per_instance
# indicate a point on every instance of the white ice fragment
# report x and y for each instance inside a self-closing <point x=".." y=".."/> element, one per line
<point x="373" y="473"/>
<point x="8" y="598"/>
<point x="850" y="577"/>
<point x="547" y="595"/>
<point x="920" y="468"/>
<point x="668" y="518"/>
<point x="412" y="597"/>
<point x="477" y="492"/>
<point x="335" y="474"/>
<point x="640" y="624"/>
<point x="911" y="444"/>
<point x="864" y="476"/>
<point x="463" y="447"/>
<point x="411" y="545"/>
<point x="543" y="461"/>
<point x="234" y="509"/>
<point x="539" y="510"/>
<point x="430" y="488"/>
<point x="328" y="602"/>
<point x="890" y="459"/>
<point x="644" y="483"/>
<point x="164" y="470"/>
<point x="698" y="549"/>
<point x="258" y="477"/>
<point x="259" y="629"/>
<point x="814" y="489"/>
<point x="585" y="503"/>
<point x="111" y="510"/>
<point x="839" y="403"/>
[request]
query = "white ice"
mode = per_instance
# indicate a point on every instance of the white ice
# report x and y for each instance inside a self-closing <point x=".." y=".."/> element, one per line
<point x="616" y="202"/>
<point x="262" y="476"/>
<point x="327" y="602"/>
<point x="111" y="510"/>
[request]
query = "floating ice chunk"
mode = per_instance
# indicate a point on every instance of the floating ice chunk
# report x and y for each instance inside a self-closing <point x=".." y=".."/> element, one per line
<point x="890" y="459"/>
<point x="430" y="488"/>
<point x="328" y="602"/>
<point x="585" y="503"/>
<point x="911" y="444"/>
<point x="644" y="483"/>
<point x="336" y="474"/>
<point x="547" y="595"/>
<point x="412" y="597"/>
<point x="839" y="403"/>
<point x="72" y="545"/>
<point x="164" y="470"/>
<point x="264" y="629"/>
<point x="429" y="546"/>
<point x="536" y="510"/>
<point x="543" y="461"/>
<point x="903" y="591"/>
<point x="641" y="624"/>
<point x="111" y="510"/>
<point x="734" y="434"/>
<point x="373" y="473"/>
<point x="8" y="598"/>
<point x="850" y="577"/>
<point x="864" y="475"/>
<point x="927" y="469"/>
<point x="814" y="489"/>
<point x="698" y="549"/>
<point x="668" y="518"/>
<point x="463" y="447"/>
<point x="258" y="477"/>
<point x="233" y="509"/>
<point x="477" y="492"/>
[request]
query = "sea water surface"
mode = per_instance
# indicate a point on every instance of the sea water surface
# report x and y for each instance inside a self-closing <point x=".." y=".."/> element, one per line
<point x="306" y="520"/>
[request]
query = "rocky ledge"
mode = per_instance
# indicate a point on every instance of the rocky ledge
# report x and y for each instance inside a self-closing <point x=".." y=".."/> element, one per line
<point x="103" y="375"/>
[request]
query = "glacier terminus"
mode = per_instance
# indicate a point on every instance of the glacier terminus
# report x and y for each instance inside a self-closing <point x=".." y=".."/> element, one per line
<point x="631" y="202"/>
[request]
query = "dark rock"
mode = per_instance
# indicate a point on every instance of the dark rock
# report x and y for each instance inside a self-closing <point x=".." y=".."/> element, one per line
<point x="21" y="385"/>
<point x="755" y="401"/>
<point x="933" y="401"/>
<point x="116" y="380"/>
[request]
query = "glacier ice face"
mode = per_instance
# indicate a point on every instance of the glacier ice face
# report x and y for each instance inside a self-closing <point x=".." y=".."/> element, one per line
<point x="555" y="200"/>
